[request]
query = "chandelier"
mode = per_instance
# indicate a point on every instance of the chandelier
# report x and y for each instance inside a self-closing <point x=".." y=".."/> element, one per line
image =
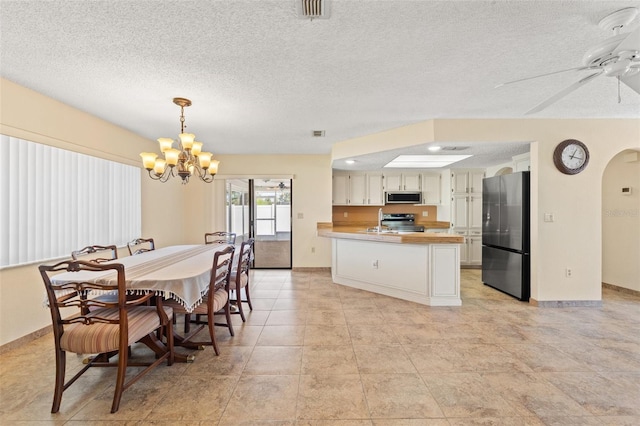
<point x="184" y="162"/>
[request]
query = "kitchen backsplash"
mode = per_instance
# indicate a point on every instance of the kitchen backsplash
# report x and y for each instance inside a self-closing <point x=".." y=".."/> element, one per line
<point x="369" y="214"/>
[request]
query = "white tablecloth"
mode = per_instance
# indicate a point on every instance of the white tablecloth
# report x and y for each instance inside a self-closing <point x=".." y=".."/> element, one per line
<point x="181" y="273"/>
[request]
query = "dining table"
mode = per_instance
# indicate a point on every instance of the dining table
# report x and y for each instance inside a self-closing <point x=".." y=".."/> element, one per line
<point x="180" y="272"/>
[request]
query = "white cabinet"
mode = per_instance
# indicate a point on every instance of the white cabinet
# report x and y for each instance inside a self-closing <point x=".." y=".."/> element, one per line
<point x="475" y="212"/>
<point x="375" y="193"/>
<point x="467" y="181"/>
<point x="460" y="212"/>
<point x="471" y="248"/>
<point x="402" y="182"/>
<point x="466" y="213"/>
<point x="357" y="189"/>
<point x="431" y="184"/>
<point x="340" y="190"/>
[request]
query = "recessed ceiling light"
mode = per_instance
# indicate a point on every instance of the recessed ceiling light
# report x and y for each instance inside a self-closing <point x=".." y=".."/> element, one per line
<point x="424" y="161"/>
<point x="350" y="161"/>
<point x="434" y="148"/>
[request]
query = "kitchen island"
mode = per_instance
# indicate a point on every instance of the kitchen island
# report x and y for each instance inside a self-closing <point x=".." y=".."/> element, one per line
<point x="421" y="267"/>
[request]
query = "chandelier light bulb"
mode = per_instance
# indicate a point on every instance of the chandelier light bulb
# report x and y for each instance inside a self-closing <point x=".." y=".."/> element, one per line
<point x="171" y="155"/>
<point x="205" y="159"/>
<point x="165" y="144"/>
<point x="148" y="159"/>
<point x="196" y="148"/>
<point x="213" y="168"/>
<point x="186" y="139"/>
<point x="159" y="166"/>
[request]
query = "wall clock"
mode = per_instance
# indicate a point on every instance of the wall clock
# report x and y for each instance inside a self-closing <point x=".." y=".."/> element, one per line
<point x="571" y="156"/>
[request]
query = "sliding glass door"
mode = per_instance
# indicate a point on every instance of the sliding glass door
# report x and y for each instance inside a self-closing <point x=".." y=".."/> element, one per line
<point x="261" y="208"/>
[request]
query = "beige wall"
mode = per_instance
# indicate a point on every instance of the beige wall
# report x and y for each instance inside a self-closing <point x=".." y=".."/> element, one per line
<point x="575" y="238"/>
<point x="171" y="213"/>
<point x="621" y="222"/>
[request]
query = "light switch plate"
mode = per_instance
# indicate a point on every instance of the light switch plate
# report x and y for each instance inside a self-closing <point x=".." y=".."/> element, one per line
<point x="548" y="217"/>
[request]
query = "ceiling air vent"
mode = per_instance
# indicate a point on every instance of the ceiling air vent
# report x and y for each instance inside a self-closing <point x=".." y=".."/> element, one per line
<point x="318" y="133"/>
<point x="313" y="9"/>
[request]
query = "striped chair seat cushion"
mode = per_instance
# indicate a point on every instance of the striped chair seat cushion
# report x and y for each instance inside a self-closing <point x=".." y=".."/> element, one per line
<point x="244" y="279"/>
<point x="100" y="338"/>
<point x="219" y="300"/>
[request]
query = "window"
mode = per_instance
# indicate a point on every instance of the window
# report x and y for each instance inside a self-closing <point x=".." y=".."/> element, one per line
<point x="55" y="201"/>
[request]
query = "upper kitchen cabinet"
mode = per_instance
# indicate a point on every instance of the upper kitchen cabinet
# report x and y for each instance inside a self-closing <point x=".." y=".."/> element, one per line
<point x="403" y="181"/>
<point x="431" y="188"/>
<point x="375" y="192"/>
<point x="340" y="190"/>
<point x="467" y="181"/>
<point x="357" y="189"/>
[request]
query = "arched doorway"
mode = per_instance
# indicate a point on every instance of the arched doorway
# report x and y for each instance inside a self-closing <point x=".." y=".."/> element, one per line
<point x="621" y="222"/>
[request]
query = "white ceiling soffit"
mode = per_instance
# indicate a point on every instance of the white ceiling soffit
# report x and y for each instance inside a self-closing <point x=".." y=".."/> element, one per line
<point x="481" y="155"/>
<point x="424" y="161"/>
<point x="261" y="79"/>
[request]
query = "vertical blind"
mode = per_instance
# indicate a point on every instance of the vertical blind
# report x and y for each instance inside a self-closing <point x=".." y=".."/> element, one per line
<point x="54" y="201"/>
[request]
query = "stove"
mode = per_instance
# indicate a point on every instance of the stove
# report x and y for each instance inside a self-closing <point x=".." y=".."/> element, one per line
<point x="401" y="222"/>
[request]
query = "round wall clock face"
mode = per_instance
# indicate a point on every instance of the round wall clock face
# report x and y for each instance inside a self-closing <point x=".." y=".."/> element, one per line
<point x="571" y="156"/>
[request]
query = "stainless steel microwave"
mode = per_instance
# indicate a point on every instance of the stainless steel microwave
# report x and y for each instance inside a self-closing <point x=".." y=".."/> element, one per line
<point x="403" y="197"/>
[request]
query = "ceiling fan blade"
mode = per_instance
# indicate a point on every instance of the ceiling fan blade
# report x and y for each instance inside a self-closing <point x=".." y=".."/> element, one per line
<point x="541" y="75"/>
<point x="632" y="81"/>
<point x="561" y="94"/>
<point x="631" y="43"/>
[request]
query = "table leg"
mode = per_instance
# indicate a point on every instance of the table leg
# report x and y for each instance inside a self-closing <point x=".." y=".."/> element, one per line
<point x="153" y="343"/>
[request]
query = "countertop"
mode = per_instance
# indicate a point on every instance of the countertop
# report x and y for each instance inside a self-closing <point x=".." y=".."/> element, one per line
<point x="354" y="232"/>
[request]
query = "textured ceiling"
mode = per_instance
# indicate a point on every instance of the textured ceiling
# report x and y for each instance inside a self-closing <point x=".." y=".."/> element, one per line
<point x="261" y="79"/>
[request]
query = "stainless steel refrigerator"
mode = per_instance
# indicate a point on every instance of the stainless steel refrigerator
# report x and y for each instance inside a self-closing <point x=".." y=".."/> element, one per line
<point x="505" y="234"/>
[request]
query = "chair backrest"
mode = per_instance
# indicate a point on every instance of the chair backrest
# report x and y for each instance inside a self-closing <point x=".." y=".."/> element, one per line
<point x="140" y="245"/>
<point x="76" y="294"/>
<point x="221" y="270"/>
<point x="246" y="254"/>
<point x="94" y="253"/>
<point x="220" y="237"/>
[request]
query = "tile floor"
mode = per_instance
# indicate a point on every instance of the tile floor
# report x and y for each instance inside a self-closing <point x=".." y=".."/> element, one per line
<point x="316" y="353"/>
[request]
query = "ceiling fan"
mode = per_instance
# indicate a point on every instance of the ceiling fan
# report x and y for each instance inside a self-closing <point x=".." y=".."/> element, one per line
<point x="617" y="56"/>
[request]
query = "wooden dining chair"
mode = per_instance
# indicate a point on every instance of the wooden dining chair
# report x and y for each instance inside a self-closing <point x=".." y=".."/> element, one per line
<point x="220" y="237"/>
<point x="140" y="245"/>
<point x="216" y="302"/>
<point x="103" y="328"/>
<point x="94" y="253"/>
<point x="240" y="277"/>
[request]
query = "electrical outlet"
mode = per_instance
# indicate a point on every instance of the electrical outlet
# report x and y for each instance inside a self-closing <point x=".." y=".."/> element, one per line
<point x="346" y="214"/>
<point x="313" y="249"/>
<point x="300" y="215"/>
<point x="425" y="213"/>
<point x="549" y="217"/>
<point x="568" y="272"/>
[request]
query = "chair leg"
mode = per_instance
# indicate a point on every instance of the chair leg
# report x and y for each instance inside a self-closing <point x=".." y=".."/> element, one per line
<point x="227" y="313"/>
<point x="61" y="362"/>
<point x="246" y="291"/>
<point x="239" y="304"/>
<point x="123" y="360"/>
<point x="212" y="334"/>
